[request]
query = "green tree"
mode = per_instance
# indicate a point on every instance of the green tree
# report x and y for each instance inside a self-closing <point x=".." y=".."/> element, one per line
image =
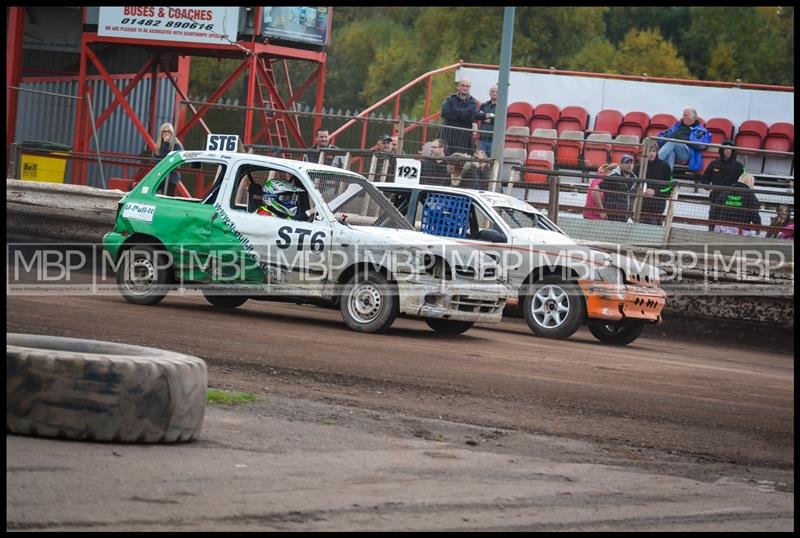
<point x="646" y="51"/>
<point x="597" y="56"/>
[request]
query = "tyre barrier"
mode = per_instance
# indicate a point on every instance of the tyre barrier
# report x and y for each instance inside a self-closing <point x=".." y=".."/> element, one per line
<point x="102" y="391"/>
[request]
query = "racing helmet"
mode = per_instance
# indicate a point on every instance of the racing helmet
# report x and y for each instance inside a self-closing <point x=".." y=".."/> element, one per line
<point x="280" y="197"/>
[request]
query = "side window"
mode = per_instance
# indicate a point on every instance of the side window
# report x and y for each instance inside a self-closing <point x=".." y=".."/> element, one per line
<point x="479" y="220"/>
<point x="249" y="185"/>
<point x="399" y="199"/>
<point x="192" y="181"/>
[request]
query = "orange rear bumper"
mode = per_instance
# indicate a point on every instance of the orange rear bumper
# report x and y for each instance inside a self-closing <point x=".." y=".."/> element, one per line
<point x="613" y="301"/>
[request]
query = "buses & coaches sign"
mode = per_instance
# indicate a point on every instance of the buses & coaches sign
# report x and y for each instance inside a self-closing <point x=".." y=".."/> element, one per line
<point x="196" y="24"/>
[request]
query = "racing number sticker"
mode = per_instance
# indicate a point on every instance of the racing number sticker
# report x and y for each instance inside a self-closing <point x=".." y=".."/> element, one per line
<point x="220" y="142"/>
<point x="407" y="171"/>
<point x="317" y="239"/>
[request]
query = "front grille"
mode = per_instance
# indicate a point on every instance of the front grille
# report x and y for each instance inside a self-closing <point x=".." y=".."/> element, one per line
<point x="465" y="303"/>
<point x="489" y="273"/>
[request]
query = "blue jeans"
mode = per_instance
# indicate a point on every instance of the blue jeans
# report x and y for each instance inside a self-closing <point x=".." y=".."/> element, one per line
<point x="485" y="145"/>
<point x="673" y="151"/>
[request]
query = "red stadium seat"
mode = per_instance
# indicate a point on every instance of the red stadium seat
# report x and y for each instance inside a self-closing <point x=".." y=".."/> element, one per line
<point x="517" y="137"/>
<point x="659" y="123"/>
<point x="573" y="118"/>
<point x="538" y="159"/>
<point x="780" y="137"/>
<point x="751" y="134"/>
<point x="608" y="121"/>
<point x="543" y="140"/>
<point x="545" y="116"/>
<point x="721" y="129"/>
<point x="568" y="149"/>
<point x="596" y="150"/>
<point x="634" y="124"/>
<point x="519" y="114"/>
<point x="623" y="144"/>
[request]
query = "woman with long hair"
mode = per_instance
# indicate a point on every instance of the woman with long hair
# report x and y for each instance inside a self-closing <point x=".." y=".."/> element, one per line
<point x="167" y="142"/>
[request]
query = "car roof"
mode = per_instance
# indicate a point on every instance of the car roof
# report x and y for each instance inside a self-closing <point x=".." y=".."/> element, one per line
<point x="491" y="197"/>
<point x="235" y="157"/>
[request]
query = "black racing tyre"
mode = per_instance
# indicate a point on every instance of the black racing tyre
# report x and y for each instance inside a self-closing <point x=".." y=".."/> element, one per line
<point x="369" y="302"/>
<point x="554" y="308"/>
<point x="144" y="274"/>
<point x="102" y="391"/>
<point x="619" y="333"/>
<point x="449" y="326"/>
<point x="225" y="301"/>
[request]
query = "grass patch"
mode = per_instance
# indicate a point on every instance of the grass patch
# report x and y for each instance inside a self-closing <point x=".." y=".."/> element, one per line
<point x="227" y="397"/>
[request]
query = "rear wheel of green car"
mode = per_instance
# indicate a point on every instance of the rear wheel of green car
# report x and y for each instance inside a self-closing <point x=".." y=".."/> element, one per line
<point x="144" y="274"/>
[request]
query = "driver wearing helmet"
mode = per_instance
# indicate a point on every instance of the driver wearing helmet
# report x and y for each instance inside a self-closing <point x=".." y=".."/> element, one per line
<point x="279" y="199"/>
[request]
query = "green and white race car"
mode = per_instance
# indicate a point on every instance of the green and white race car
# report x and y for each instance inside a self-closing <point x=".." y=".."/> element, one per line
<point x="240" y="226"/>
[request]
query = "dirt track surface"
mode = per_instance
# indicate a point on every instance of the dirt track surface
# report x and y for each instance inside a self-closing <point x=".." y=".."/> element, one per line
<point x="680" y="416"/>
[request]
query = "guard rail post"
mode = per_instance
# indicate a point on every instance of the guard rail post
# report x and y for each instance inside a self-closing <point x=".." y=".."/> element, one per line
<point x="554" y="184"/>
<point x="496" y="187"/>
<point x="673" y="198"/>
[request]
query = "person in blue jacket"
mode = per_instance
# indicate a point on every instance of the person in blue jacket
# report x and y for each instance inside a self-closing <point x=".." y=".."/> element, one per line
<point x="690" y="129"/>
<point x="458" y="110"/>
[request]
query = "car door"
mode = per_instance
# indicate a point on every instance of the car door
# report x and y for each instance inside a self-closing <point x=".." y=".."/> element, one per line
<point x="290" y="256"/>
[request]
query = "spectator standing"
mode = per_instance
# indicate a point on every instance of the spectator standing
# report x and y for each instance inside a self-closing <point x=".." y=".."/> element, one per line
<point x="324" y="143"/>
<point x="167" y="142"/>
<point x="619" y="186"/>
<point x="458" y="110"/>
<point x="740" y="206"/>
<point x="721" y="172"/>
<point x="687" y="128"/>
<point x="594" y="208"/>
<point x="485" y="117"/>
<point x="434" y="170"/>
<point x="655" y="196"/>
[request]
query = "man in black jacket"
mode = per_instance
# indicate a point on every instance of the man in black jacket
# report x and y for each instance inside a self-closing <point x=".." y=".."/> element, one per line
<point x="737" y="207"/>
<point x="722" y="172"/>
<point x="458" y="110"/>
<point x="656" y="194"/>
<point x="485" y="118"/>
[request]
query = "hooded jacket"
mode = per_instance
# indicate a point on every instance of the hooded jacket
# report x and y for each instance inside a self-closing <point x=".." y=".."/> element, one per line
<point x="697" y="133"/>
<point x="738" y="206"/>
<point x="723" y="172"/>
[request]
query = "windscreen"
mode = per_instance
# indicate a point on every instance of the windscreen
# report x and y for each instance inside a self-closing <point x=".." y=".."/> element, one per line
<point x="354" y="201"/>
<point x="517" y="218"/>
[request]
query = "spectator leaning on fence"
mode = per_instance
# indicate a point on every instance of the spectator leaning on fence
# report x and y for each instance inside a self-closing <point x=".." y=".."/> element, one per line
<point x="167" y="141"/>
<point x="458" y="110"/>
<point x="383" y="147"/>
<point x="462" y="173"/>
<point x="740" y="207"/>
<point x="779" y="221"/>
<point x="323" y="143"/>
<point x="485" y="117"/>
<point x="721" y="172"/>
<point x="593" y="208"/>
<point x="687" y="128"/>
<point x="619" y="185"/>
<point x="434" y="170"/>
<point x="656" y="194"/>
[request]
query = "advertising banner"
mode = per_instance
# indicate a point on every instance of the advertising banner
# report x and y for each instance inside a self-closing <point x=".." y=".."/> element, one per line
<point x="299" y="24"/>
<point x="195" y="24"/>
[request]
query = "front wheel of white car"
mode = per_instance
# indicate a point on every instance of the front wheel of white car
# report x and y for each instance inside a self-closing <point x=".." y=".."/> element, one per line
<point x="369" y="302"/>
<point x="554" y="308"/>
